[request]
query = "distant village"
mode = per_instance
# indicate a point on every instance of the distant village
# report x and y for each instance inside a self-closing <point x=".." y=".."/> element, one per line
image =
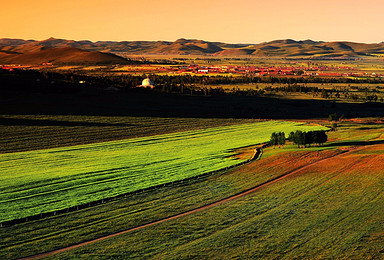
<point x="340" y="71"/>
<point x="325" y="71"/>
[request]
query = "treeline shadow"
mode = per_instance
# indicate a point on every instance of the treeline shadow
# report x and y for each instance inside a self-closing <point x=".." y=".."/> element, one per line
<point x="355" y="143"/>
<point x="151" y="104"/>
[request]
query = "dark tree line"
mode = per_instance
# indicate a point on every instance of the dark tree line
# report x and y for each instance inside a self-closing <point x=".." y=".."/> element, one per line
<point x="302" y="139"/>
<point x="185" y="84"/>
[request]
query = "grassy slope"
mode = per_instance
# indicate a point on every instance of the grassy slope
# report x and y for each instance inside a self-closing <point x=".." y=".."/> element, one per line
<point x="40" y="181"/>
<point x="273" y="222"/>
<point x="62" y="55"/>
<point x="331" y="210"/>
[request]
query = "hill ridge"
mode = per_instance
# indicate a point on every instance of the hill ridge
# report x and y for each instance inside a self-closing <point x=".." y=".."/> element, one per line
<point x="182" y="46"/>
<point x="57" y="55"/>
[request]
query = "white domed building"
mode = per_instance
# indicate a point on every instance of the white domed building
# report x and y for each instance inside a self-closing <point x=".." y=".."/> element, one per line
<point x="147" y="83"/>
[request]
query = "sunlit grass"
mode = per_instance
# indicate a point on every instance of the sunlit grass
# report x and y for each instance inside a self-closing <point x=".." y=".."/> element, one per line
<point x="47" y="180"/>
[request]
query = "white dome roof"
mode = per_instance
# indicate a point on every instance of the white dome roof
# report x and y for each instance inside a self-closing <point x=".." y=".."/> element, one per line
<point x="147" y="82"/>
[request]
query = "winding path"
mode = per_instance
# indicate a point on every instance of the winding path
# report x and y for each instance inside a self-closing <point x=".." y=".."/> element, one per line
<point x="233" y="197"/>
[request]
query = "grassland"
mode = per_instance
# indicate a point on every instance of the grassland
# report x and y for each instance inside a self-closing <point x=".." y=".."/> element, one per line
<point x="329" y="210"/>
<point x="41" y="181"/>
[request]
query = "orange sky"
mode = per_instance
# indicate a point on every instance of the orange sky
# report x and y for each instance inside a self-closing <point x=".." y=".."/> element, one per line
<point x="234" y="21"/>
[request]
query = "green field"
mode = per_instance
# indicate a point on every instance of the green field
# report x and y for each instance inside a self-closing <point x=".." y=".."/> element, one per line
<point x="41" y="181"/>
<point x="333" y="209"/>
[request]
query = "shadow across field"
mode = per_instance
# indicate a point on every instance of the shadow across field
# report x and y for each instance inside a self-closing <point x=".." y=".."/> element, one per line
<point x="46" y="122"/>
<point x="152" y="104"/>
<point x="355" y="143"/>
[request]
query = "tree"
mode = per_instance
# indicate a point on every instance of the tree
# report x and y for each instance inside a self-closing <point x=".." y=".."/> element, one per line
<point x="299" y="138"/>
<point x="320" y="137"/>
<point x="333" y="119"/>
<point x="281" y="138"/>
<point x="277" y="138"/>
<point x="333" y="126"/>
<point x="291" y="136"/>
<point x="274" y="139"/>
<point x="308" y="138"/>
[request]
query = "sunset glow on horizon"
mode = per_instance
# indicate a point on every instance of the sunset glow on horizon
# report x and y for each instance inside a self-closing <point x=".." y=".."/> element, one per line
<point x="240" y="21"/>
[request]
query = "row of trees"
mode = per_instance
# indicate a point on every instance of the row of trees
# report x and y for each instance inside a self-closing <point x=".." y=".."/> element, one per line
<point x="302" y="139"/>
<point x="218" y="79"/>
<point x="186" y="79"/>
<point x="192" y="84"/>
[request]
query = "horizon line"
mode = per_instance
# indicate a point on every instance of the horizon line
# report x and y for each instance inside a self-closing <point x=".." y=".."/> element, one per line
<point x="190" y="39"/>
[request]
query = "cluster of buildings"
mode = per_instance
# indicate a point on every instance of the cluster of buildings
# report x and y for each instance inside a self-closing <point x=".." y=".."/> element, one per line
<point x="326" y="71"/>
<point x="331" y="71"/>
<point x="254" y="69"/>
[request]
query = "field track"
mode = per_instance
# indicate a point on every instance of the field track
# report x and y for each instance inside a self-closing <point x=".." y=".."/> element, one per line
<point x="233" y="197"/>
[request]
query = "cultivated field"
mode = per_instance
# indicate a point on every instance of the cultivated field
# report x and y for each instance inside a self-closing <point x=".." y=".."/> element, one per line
<point x="41" y="181"/>
<point x="332" y="209"/>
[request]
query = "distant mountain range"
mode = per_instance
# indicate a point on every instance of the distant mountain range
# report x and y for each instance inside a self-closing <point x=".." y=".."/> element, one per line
<point x="70" y="51"/>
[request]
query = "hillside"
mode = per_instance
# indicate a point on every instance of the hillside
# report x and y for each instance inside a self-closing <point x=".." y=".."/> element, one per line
<point x="29" y="55"/>
<point x="282" y="48"/>
<point x="291" y="48"/>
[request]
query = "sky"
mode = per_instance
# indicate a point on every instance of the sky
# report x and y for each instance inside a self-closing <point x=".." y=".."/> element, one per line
<point x="231" y="21"/>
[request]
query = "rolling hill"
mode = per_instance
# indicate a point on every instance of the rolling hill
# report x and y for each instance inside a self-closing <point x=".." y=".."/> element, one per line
<point x="56" y="55"/>
<point x="281" y="48"/>
<point x="291" y="48"/>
